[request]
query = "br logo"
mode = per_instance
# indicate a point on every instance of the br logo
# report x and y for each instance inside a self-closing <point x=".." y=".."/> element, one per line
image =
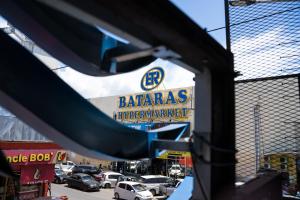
<point x="152" y="78"/>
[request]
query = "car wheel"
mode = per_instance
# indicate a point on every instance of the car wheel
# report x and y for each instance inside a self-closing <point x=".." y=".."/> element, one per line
<point x="136" y="198"/>
<point x="117" y="196"/>
<point x="85" y="188"/>
<point x="153" y="192"/>
<point x="107" y="185"/>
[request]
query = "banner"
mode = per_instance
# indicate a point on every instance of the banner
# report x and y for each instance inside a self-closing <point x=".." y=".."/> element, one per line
<point x="25" y="157"/>
<point x="33" y="174"/>
<point x="162" y="106"/>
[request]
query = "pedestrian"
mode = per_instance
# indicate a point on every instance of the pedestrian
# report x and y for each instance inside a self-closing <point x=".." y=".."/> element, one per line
<point x="49" y="188"/>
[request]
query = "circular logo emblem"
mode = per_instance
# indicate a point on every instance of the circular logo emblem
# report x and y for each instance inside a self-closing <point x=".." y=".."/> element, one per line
<point x="152" y="78"/>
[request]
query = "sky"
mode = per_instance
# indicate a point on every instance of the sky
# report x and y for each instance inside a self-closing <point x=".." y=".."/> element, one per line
<point x="207" y="14"/>
<point x="271" y="38"/>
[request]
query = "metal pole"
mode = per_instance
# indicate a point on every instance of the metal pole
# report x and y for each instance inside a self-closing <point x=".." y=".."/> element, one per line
<point x="223" y="132"/>
<point x="257" y="132"/>
<point x="227" y="25"/>
<point x="203" y="115"/>
<point x="214" y="122"/>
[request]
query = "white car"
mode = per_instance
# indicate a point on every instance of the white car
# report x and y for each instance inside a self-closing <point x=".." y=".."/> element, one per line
<point x="68" y="170"/>
<point x="175" y="170"/>
<point x="109" y="179"/>
<point x="167" y="190"/>
<point x="133" y="165"/>
<point x="67" y="167"/>
<point x="152" y="182"/>
<point x="132" y="191"/>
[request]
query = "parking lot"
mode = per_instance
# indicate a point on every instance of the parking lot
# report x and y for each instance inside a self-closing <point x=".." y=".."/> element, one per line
<point x="75" y="194"/>
<point x="58" y="190"/>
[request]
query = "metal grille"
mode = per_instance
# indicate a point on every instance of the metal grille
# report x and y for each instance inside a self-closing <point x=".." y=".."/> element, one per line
<point x="265" y="40"/>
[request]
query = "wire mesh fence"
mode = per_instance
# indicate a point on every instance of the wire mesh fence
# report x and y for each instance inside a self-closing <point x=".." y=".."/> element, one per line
<point x="265" y="40"/>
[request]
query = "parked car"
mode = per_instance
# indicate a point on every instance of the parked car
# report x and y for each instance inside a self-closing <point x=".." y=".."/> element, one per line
<point x="168" y="189"/>
<point x="68" y="170"/>
<point x="86" y="169"/>
<point x="68" y="164"/>
<point x="57" y="166"/>
<point x="132" y="191"/>
<point x="64" y="165"/>
<point x="98" y="175"/>
<point x="152" y="182"/>
<point x="109" y="179"/>
<point x="132" y="166"/>
<point x="83" y="181"/>
<point x="59" y="176"/>
<point x="175" y="170"/>
<point x="67" y="167"/>
<point x="127" y="178"/>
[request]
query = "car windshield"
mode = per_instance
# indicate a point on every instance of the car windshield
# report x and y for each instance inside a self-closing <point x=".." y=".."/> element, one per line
<point x="142" y="180"/>
<point x="89" y="167"/>
<point x="176" y="168"/>
<point x="59" y="172"/>
<point x="70" y="167"/>
<point x="132" y="179"/>
<point x="86" y="178"/>
<point x="139" y="187"/>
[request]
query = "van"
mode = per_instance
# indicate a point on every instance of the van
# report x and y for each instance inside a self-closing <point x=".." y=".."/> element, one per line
<point x="152" y="182"/>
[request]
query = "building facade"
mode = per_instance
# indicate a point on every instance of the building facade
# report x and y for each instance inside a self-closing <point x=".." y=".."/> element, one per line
<point x="153" y="109"/>
<point x="31" y="156"/>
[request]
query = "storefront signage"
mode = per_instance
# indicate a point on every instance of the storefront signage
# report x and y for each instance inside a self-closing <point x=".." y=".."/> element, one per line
<point x="174" y="154"/>
<point x="23" y="157"/>
<point x="152" y="78"/>
<point x="161" y="105"/>
<point x="154" y="99"/>
<point x="33" y="174"/>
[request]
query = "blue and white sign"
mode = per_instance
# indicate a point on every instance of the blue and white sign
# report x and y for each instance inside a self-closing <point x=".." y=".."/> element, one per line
<point x="152" y="78"/>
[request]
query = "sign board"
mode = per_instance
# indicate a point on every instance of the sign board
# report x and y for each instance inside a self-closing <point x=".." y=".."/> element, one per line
<point x="33" y="174"/>
<point x="152" y="78"/>
<point x="174" y="155"/>
<point x="25" y="157"/>
<point x="161" y="106"/>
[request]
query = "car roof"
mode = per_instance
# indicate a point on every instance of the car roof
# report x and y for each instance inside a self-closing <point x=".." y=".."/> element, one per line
<point x="154" y="176"/>
<point x="81" y="174"/>
<point x="130" y="182"/>
<point x="130" y="177"/>
<point x="116" y="173"/>
<point x="85" y="165"/>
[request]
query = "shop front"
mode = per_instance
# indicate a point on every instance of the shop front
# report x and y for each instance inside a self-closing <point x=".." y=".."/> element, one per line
<point x="33" y="163"/>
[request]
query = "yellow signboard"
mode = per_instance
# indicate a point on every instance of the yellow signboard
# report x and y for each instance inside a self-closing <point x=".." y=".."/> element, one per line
<point x="174" y="154"/>
<point x="162" y="106"/>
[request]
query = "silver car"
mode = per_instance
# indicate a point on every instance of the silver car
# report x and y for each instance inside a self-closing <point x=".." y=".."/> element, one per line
<point x="152" y="182"/>
<point x="109" y="179"/>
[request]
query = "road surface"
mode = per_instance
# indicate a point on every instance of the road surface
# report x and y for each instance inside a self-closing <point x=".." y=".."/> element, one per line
<point x="75" y="194"/>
